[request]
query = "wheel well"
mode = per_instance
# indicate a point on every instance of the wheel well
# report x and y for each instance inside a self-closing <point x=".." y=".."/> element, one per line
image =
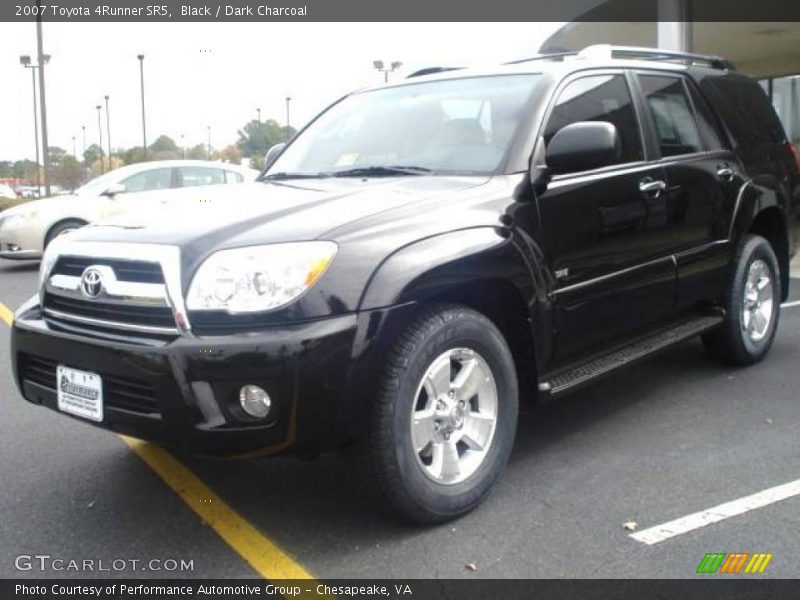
<point x="47" y="238"/>
<point x="503" y="304"/>
<point x="771" y="225"/>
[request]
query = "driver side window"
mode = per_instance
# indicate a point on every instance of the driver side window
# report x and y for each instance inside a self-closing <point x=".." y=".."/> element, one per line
<point x="154" y="179"/>
<point x="599" y="98"/>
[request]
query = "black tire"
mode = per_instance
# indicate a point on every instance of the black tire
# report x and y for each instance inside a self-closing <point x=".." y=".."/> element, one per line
<point x="62" y="228"/>
<point x="731" y="343"/>
<point x="399" y="478"/>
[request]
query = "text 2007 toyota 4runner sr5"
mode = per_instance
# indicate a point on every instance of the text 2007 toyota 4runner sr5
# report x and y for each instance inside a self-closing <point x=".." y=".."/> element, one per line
<point x="420" y="256"/>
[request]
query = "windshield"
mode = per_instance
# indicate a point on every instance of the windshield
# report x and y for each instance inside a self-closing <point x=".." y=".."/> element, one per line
<point x="453" y="126"/>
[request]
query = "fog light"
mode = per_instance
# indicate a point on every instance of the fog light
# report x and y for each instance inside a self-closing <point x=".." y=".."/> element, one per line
<point x="255" y="401"/>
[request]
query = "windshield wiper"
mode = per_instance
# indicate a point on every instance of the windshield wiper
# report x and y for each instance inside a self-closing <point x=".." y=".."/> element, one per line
<point x="382" y="171"/>
<point x="284" y="175"/>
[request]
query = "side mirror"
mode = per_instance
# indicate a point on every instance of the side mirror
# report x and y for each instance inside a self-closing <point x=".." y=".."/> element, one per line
<point x="583" y="146"/>
<point x="273" y="154"/>
<point x="114" y="189"/>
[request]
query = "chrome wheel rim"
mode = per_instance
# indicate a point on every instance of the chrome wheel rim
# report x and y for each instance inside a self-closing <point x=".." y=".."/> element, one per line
<point x="758" y="305"/>
<point x="454" y="416"/>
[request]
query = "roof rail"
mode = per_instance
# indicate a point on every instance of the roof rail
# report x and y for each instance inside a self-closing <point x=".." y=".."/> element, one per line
<point x="550" y="56"/>
<point x="607" y="51"/>
<point x="431" y="71"/>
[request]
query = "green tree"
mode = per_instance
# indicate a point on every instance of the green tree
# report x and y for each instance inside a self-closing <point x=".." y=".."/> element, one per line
<point x="55" y="155"/>
<point x="6" y="168"/>
<point x="93" y="154"/>
<point x="133" y="155"/>
<point x="25" y="169"/>
<point x="198" y="152"/>
<point x="69" y="174"/>
<point x="256" y="138"/>
<point x="163" y="143"/>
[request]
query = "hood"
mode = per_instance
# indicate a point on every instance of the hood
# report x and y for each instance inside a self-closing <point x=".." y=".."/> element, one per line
<point x="201" y="220"/>
<point x="35" y="206"/>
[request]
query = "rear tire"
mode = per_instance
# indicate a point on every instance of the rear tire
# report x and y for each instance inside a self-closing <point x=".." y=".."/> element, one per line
<point x="752" y="306"/>
<point x="437" y="442"/>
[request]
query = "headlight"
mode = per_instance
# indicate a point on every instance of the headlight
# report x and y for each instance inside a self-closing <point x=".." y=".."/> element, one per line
<point x="258" y="278"/>
<point x="17" y="219"/>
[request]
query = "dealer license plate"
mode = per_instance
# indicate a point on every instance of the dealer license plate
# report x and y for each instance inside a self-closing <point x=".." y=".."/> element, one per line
<point x="80" y="393"/>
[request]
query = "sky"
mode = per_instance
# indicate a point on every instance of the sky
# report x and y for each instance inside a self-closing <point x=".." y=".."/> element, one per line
<point x="217" y="74"/>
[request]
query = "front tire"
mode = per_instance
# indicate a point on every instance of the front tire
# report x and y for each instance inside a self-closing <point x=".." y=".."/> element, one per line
<point x="752" y="306"/>
<point x="445" y="417"/>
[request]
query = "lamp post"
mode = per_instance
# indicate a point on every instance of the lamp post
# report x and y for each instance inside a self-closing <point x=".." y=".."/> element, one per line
<point x="25" y="61"/>
<point x="393" y="66"/>
<point x="74" y="150"/>
<point x="100" y="133"/>
<point x="183" y="148"/>
<point x="83" y="128"/>
<point x="43" y="60"/>
<point x="144" y="128"/>
<point x="208" y="127"/>
<point x="288" y="100"/>
<point x="258" y="110"/>
<point x="108" y="134"/>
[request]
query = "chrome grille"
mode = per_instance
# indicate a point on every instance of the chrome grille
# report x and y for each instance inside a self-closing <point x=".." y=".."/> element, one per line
<point x="132" y="296"/>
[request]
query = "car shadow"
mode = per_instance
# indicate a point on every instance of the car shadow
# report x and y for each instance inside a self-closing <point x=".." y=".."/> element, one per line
<point x="321" y="503"/>
<point x="26" y="266"/>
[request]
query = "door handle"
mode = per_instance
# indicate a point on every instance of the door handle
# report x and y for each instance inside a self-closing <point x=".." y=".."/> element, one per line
<point x="652" y="186"/>
<point x="724" y="172"/>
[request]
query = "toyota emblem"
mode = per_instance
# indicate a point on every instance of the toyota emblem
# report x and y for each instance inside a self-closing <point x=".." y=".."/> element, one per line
<point x="91" y="283"/>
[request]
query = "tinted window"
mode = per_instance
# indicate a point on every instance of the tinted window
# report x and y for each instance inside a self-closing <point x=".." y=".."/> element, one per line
<point x="599" y="98"/>
<point x="673" y="118"/>
<point x="708" y="124"/>
<point x="745" y="109"/>
<point x="233" y="177"/>
<point x="446" y="126"/>
<point x="154" y="179"/>
<point x="193" y="176"/>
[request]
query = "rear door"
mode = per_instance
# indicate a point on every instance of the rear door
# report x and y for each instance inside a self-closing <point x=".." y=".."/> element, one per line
<point x="703" y="180"/>
<point x="606" y="231"/>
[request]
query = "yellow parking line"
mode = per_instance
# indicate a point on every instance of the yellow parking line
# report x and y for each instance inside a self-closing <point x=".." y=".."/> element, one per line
<point x="263" y="554"/>
<point x="6" y="314"/>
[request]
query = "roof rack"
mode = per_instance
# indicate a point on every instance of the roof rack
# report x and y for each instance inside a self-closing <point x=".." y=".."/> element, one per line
<point x="607" y="51"/>
<point x="550" y="56"/>
<point x="431" y="71"/>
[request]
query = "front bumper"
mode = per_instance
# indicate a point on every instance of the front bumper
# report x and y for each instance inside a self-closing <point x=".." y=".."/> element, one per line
<point x="19" y="242"/>
<point x="184" y="393"/>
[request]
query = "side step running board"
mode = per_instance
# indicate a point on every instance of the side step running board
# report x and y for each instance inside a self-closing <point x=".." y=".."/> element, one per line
<point x="576" y="376"/>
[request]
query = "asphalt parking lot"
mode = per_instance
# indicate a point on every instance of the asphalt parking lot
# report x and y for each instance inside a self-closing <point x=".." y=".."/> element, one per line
<point x="665" y="439"/>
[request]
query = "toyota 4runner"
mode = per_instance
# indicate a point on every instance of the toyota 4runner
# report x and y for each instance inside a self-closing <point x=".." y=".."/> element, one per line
<point x="423" y="255"/>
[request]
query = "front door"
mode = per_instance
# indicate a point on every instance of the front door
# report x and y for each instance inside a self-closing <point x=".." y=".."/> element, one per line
<point x="606" y="232"/>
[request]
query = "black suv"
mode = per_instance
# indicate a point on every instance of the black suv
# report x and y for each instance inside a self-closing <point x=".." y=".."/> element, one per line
<point x="421" y="256"/>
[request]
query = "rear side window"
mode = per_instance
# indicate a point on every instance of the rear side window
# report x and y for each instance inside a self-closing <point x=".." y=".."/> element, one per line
<point x="233" y="177"/>
<point x="146" y="181"/>
<point x="599" y="98"/>
<point x="745" y="109"/>
<point x="671" y="110"/>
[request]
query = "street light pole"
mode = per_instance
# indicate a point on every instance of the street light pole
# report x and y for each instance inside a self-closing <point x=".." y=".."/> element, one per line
<point x="183" y="148"/>
<point x="100" y="132"/>
<point x="74" y="149"/>
<point x="258" y="110"/>
<point x="144" y="128"/>
<point x="25" y="61"/>
<point x="43" y="59"/>
<point x="108" y="135"/>
<point x="208" y="127"/>
<point x="393" y="66"/>
<point x="83" y="127"/>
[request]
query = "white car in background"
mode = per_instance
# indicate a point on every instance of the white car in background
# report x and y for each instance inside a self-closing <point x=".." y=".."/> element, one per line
<point x="26" y="230"/>
<point x="6" y="191"/>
